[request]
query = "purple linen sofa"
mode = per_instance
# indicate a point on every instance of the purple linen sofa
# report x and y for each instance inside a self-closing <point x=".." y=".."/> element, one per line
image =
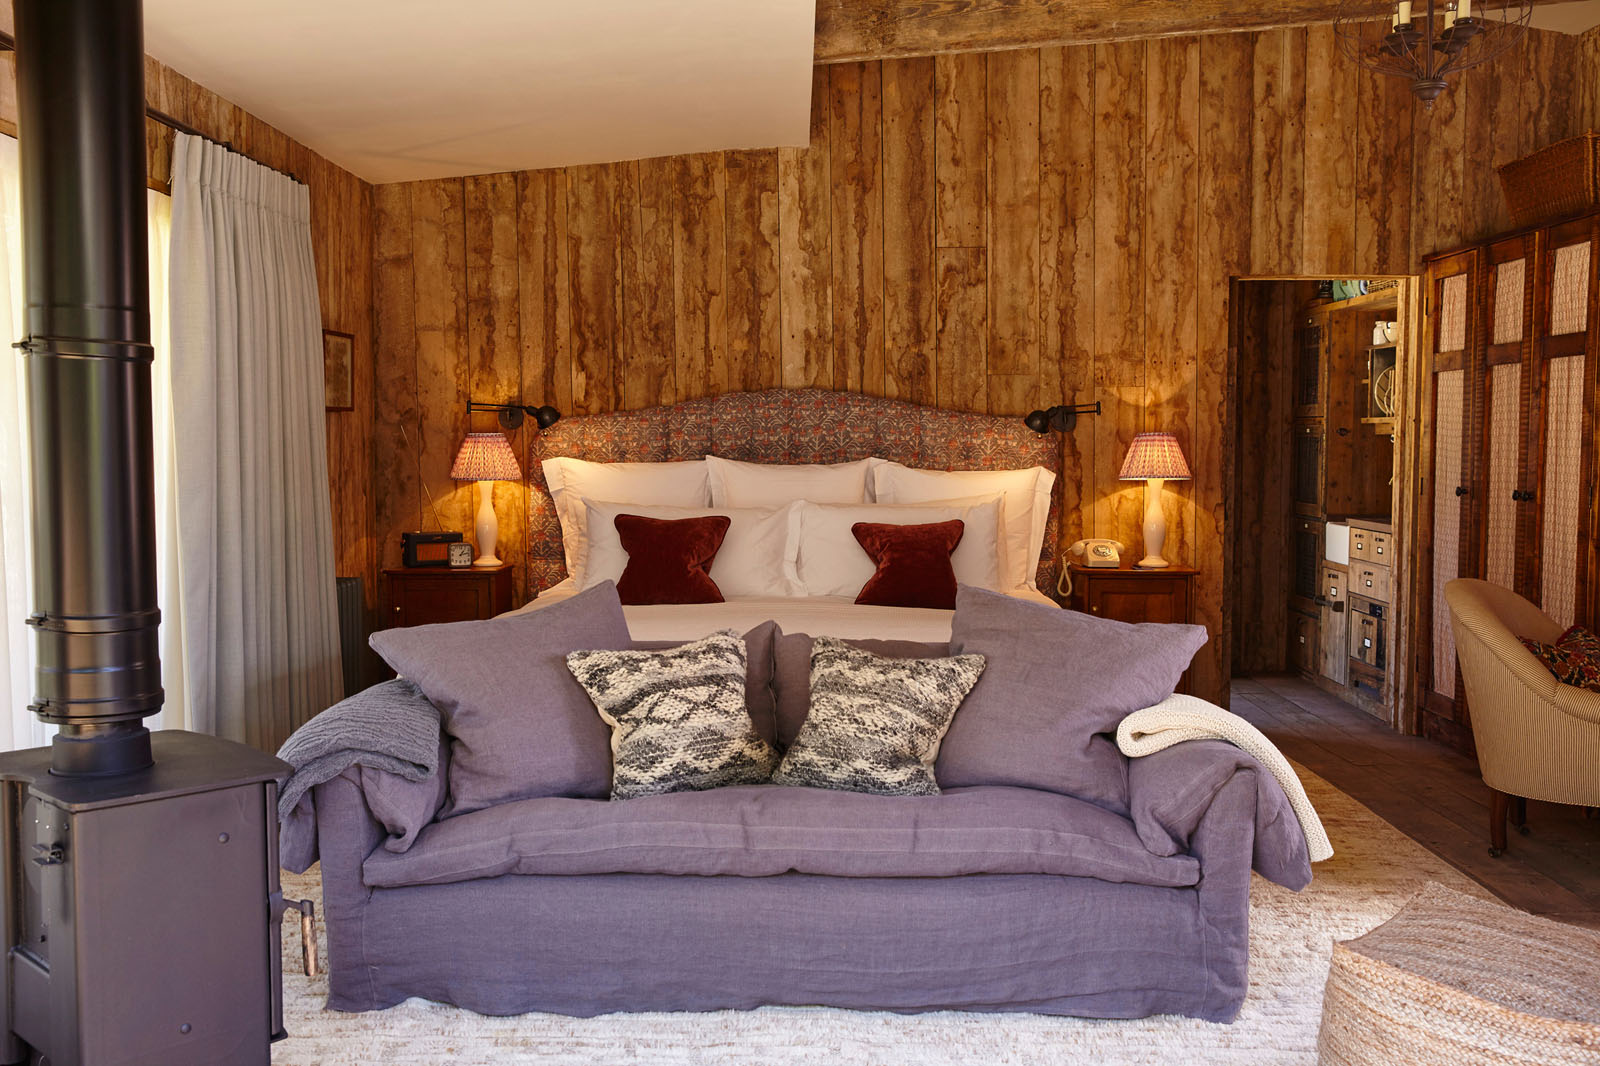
<point x="981" y="899"/>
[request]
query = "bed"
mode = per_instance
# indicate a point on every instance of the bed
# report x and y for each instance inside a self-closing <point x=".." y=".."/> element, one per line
<point x="802" y="426"/>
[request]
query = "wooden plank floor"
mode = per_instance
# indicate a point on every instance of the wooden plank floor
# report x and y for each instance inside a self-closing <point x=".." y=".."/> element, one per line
<point x="1432" y="794"/>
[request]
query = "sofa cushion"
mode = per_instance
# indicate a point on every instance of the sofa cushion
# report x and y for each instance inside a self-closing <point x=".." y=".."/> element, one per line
<point x="678" y="719"/>
<point x="766" y="830"/>
<point x="759" y="698"/>
<point x="791" y="675"/>
<point x="520" y="725"/>
<point x="875" y="722"/>
<point x="1045" y="712"/>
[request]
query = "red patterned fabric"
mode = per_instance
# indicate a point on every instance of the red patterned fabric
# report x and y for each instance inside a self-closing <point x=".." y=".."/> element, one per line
<point x="913" y="564"/>
<point x="669" y="559"/>
<point x="786" y="426"/>
<point x="1574" y="658"/>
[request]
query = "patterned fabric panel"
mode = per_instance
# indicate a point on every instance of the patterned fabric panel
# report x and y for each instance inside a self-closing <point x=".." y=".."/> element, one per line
<point x="1453" y="313"/>
<point x="1569" y="290"/>
<point x="1574" y="658"/>
<point x="678" y="719"/>
<point x="875" y="723"/>
<point x="1446" y="522"/>
<point x="1508" y="288"/>
<point x="785" y="426"/>
<point x="1563" y="489"/>
<point x="1505" y="412"/>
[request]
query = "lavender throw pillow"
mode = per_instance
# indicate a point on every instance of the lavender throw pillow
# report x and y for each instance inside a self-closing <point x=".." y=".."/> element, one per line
<point x="520" y="726"/>
<point x="1045" y="712"/>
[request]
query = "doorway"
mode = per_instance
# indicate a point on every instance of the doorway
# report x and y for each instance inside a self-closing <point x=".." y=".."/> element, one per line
<point x="1318" y="524"/>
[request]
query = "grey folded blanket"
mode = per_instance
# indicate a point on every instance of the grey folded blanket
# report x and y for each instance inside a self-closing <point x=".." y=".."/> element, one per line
<point x="390" y="727"/>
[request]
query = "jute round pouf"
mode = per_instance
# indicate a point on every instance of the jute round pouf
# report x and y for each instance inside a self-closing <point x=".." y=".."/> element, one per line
<point x="1457" y="981"/>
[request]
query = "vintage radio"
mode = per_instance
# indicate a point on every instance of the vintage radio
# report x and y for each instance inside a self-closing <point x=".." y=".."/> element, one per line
<point x="427" y="549"/>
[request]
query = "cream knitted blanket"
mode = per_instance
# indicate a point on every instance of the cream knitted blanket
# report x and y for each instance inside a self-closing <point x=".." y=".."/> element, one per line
<point x="1179" y="718"/>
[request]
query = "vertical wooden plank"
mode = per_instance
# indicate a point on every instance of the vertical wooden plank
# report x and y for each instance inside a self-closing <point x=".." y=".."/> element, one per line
<point x="494" y="346"/>
<point x="1330" y="184"/>
<point x="698" y="248"/>
<point x="1550" y="87"/>
<point x="961" y="150"/>
<point x="1014" y="212"/>
<point x="910" y="359"/>
<point x="1277" y="157"/>
<point x="649" y="326"/>
<point x="596" y="279"/>
<point x="855" y="154"/>
<point x="754" y="355"/>
<point x="1440" y="173"/>
<point x="1066" y="266"/>
<point x="397" y="497"/>
<point x="961" y="305"/>
<point x="1172" y="130"/>
<point x="438" y="259"/>
<point x="1495" y="135"/>
<point x="805" y="264"/>
<point x="1119" y="304"/>
<point x="1224" y="212"/>
<point x="543" y="288"/>
<point x="1384" y="114"/>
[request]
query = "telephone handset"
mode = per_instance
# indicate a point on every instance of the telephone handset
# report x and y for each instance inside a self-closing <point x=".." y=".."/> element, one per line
<point x="1098" y="552"/>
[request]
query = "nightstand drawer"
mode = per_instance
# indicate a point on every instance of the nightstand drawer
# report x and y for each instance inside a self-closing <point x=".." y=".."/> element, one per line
<point x="1140" y="599"/>
<point x="429" y="596"/>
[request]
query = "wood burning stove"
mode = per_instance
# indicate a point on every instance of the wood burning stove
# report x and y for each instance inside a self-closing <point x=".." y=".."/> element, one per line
<point x="140" y="872"/>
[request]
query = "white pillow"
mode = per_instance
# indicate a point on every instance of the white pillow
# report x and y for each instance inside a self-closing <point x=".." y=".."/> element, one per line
<point x="833" y="563"/>
<point x="736" y="484"/>
<point x="572" y="480"/>
<point x="757" y="557"/>
<point x="1027" y="505"/>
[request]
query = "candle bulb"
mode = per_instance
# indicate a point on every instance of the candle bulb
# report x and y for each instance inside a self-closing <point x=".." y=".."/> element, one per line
<point x="1465" y="11"/>
<point x="1449" y="16"/>
<point x="1402" y="15"/>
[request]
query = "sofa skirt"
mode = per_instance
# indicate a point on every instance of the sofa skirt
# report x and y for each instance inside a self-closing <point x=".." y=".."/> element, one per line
<point x="597" y="944"/>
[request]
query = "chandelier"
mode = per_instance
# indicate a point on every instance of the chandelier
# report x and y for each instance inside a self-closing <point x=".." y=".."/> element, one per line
<point x="1426" y="41"/>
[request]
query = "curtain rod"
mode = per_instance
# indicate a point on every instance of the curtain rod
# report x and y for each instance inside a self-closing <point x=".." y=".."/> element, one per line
<point x="8" y="43"/>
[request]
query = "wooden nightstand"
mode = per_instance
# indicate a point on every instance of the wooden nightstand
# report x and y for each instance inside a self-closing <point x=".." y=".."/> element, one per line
<point x="423" y="595"/>
<point x="1128" y="594"/>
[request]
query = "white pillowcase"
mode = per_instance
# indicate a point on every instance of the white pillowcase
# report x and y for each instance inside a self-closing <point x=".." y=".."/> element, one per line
<point x="736" y="484"/>
<point x="833" y="562"/>
<point x="574" y="480"/>
<point x="757" y="557"/>
<point x="1027" y="505"/>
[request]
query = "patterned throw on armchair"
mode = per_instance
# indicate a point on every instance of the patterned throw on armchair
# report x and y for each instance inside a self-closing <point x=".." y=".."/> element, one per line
<point x="1536" y="737"/>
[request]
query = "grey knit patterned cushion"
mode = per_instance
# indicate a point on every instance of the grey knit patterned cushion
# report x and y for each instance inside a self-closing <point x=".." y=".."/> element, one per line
<point x="677" y="717"/>
<point x="875" y="723"/>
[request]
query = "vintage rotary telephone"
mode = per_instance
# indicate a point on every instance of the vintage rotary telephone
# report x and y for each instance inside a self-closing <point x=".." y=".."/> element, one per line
<point x="1106" y="553"/>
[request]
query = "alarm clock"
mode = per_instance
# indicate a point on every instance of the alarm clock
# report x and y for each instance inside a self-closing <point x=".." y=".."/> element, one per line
<point x="460" y="555"/>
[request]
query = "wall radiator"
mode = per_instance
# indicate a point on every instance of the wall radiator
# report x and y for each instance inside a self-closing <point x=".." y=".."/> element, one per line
<point x="352" y="633"/>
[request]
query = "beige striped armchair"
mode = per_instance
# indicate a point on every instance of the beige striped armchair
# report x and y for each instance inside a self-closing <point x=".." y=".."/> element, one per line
<point x="1536" y="738"/>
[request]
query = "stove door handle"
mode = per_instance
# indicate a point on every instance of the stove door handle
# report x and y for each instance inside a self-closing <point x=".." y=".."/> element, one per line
<point x="308" y="929"/>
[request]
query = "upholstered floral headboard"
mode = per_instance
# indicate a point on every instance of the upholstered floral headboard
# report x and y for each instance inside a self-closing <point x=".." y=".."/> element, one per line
<point x="786" y="426"/>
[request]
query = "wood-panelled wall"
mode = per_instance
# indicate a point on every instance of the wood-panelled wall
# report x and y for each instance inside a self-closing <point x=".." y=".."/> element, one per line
<point x="341" y="239"/>
<point x="994" y="231"/>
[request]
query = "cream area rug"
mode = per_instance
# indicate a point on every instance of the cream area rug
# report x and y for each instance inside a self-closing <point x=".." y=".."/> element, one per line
<point x="1374" y="871"/>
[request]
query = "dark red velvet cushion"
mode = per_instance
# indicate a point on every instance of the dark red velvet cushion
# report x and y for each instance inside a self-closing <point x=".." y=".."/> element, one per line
<point x="669" y="559"/>
<point x="913" y="564"/>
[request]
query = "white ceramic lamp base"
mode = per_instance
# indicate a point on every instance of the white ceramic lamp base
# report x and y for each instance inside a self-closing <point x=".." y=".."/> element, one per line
<point x="1155" y="525"/>
<point x="487" y="526"/>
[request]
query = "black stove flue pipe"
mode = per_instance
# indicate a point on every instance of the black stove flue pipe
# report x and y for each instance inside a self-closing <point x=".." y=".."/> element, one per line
<point x="80" y="96"/>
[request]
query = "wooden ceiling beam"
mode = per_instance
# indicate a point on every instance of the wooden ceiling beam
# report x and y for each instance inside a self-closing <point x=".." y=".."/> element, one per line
<point x="855" y="30"/>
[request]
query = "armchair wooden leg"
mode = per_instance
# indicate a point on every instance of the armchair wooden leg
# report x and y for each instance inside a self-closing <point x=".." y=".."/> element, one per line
<point x="1499" y="807"/>
<point x="1519" y="814"/>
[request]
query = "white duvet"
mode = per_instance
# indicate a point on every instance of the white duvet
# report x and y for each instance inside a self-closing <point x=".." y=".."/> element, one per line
<point x="831" y="616"/>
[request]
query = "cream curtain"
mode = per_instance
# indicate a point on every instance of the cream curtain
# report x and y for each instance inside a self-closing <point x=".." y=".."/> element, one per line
<point x="255" y="534"/>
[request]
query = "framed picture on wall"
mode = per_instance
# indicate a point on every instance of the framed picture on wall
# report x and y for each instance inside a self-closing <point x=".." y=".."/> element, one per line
<point x="338" y="370"/>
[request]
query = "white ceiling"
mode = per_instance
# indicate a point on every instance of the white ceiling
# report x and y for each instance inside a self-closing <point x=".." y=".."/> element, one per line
<point x="395" y="90"/>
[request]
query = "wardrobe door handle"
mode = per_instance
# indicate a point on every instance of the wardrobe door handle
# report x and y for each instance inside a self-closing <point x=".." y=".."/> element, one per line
<point x="1461" y="490"/>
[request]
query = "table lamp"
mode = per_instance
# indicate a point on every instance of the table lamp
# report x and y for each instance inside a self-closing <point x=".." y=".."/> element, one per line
<point x="1154" y="458"/>
<point x="486" y="458"/>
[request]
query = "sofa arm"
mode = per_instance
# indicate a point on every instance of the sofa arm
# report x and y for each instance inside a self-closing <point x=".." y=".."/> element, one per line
<point x="1172" y="794"/>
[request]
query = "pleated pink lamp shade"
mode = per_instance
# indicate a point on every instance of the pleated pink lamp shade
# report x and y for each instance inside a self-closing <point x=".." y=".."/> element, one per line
<point x="1154" y="458"/>
<point x="1155" y="455"/>
<point x="486" y="458"/>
